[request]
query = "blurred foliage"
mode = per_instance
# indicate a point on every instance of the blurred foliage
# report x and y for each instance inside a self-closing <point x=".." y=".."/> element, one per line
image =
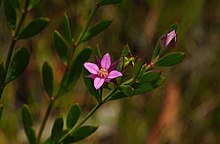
<point x="184" y="110"/>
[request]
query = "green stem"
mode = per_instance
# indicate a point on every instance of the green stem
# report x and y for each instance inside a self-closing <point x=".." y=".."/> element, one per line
<point x="87" y="24"/>
<point x="81" y="123"/>
<point x="12" y="44"/>
<point x="87" y="117"/>
<point x="76" y="44"/>
<point x="49" y="108"/>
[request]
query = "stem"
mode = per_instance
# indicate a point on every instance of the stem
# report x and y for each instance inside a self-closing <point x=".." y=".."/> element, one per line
<point x="81" y="123"/>
<point x="49" y="108"/>
<point x="12" y="44"/>
<point x="87" y="24"/>
<point x="87" y="117"/>
<point x="76" y="44"/>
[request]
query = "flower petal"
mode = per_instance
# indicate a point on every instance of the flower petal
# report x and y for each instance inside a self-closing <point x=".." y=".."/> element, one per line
<point x="170" y="37"/>
<point x="91" y="67"/>
<point x="113" y="66"/>
<point x="98" y="82"/>
<point x="106" y="61"/>
<point x="114" y="74"/>
<point x="92" y="76"/>
<point x="98" y="61"/>
<point x="169" y="40"/>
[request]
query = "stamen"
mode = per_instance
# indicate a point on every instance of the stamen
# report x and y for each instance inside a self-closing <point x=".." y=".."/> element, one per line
<point x="103" y="73"/>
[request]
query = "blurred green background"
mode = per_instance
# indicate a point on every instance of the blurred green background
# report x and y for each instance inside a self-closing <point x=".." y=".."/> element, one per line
<point x="185" y="110"/>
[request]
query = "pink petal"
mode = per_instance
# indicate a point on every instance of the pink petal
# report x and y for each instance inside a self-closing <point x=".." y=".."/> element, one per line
<point x="114" y="74"/>
<point x="170" y="37"/>
<point x="91" y="67"/>
<point x="98" y="61"/>
<point x="106" y="61"/>
<point x="113" y="66"/>
<point x="98" y="82"/>
<point x="92" y="76"/>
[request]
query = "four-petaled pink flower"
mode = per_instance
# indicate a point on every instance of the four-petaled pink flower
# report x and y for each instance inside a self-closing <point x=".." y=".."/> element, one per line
<point x="169" y="40"/>
<point x="103" y="71"/>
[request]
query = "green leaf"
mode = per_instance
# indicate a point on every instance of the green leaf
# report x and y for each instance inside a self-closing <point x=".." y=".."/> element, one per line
<point x="157" y="50"/>
<point x="127" y="90"/>
<point x="125" y="52"/>
<point x="106" y="2"/>
<point x="10" y="13"/>
<point x="66" y="29"/>
<point x="73" y="73"/>
<point x="146" y="87"/>
<point x="80" y="134"/>
<point x="33" y="28"/>
<point x="150" y="76"/>
<point x="96" y="29"/>
<point x="170" y="59"/>
<point x="117" y="95"/>
<point x="73" y="116"/>
<point x="33" y="3"/>
<point x="47" y="74"/>
<point x="173" y="27"/>
<point x="89" y="84"/>
<point x="28" y="124"/>
<point x="18" y="64"/>
<point x="137" y="68"/>
<point x="61" y="47"/>
<point x="0" y="2"/>
<point x="2" y="74"/>
<point x="26" y="117"/>
<point x="57" y="130"/>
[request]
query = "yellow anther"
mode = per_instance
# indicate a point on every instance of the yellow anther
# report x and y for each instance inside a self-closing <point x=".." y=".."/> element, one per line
<point x="103" y="73"/>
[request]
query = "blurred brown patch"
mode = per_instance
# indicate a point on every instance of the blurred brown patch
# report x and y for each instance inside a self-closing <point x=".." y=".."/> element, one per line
<point x="166" y="125"/>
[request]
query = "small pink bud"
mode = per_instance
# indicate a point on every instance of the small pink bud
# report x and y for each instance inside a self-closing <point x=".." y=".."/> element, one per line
<point x="169" y="39"/>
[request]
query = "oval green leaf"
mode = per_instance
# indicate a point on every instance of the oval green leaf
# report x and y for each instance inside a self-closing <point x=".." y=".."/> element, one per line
<point x="127" y="90"/>
<point x="28" y="124"/>
<point x="33" y="28"/>
<point x="150" y="76"/>
<point x="157" y="50"/>
<point x="61" y="47"/>
<point x="32" y="4"/>
<point x="80" y="134"/>
<point x="96" y="29"/>
<point x="137" y="68"/>
<point x="89" y="84"/>
<point x="66" y="29"/>
<point x="146" y="87"/>
<point x="126" y="51"/>
<point x="170" y="59"/>
<point x="18" y="64"/>
<point x="73" y="116"/>
<point x="71" y="76"/>
<point x="107" y="2"/>
<point x="57" y="130"/>
<point x="117" y="95"/>
<point x="10" y="13"/>
<point x="47" y="75"/>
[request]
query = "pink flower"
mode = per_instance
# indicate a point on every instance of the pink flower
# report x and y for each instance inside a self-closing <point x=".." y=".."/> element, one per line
<point x="169" y="40"/>
<point x="103" y="71"/>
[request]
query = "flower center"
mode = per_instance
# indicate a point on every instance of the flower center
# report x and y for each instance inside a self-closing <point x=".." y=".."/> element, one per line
<point x="103" y="73"/>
